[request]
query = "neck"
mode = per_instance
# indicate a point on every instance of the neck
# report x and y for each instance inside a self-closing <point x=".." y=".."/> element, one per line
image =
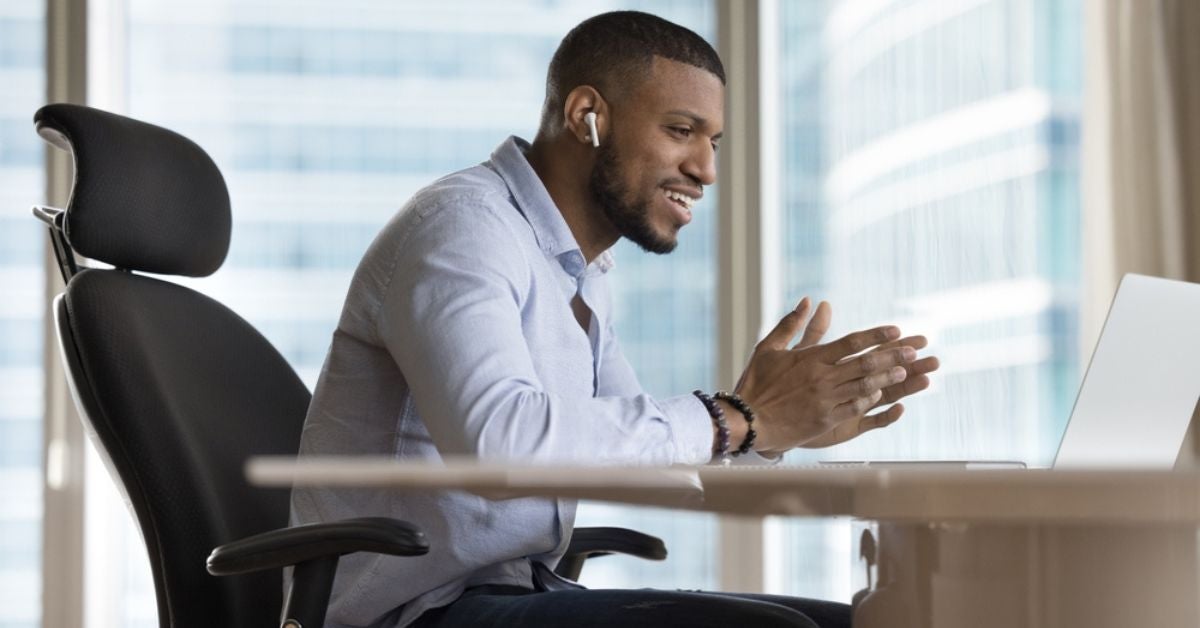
<point x="564" y="166"/>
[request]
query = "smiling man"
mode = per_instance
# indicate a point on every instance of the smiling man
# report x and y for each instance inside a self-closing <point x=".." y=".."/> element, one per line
<point x="479" y="323"/>
<point x="658" y="121"/>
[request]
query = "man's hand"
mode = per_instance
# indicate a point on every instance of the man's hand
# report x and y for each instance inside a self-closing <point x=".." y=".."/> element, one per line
<point x="917" y="380"/>
<point x="814" y="395"/>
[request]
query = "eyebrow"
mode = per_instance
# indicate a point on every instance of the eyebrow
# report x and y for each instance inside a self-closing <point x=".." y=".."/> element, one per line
<point x="699" y="121"/>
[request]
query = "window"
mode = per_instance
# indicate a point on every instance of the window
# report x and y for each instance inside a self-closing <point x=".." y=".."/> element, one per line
<point x="928" y="176"/>
<point x="22" y="246"/>
<point x="932" y="180"/>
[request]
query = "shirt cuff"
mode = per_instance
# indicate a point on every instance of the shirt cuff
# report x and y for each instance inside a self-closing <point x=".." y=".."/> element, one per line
<point x="691" y="429"/>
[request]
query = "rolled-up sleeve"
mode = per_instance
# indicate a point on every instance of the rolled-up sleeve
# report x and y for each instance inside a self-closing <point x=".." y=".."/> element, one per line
<point x="451" y="318"/>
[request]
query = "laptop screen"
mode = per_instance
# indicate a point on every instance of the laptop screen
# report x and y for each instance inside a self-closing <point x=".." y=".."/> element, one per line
<point x="1141" y="387"/>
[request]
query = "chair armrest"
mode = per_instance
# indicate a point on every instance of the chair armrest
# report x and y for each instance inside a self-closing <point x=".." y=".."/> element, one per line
<point x="589" y="542"/>
<point x="292" y="546"/>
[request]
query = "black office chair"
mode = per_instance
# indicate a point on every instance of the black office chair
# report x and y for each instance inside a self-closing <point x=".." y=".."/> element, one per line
<point x="177" y="391"/>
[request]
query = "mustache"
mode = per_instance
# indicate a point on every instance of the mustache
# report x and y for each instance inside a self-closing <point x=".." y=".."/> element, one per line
<point x="692" y="185"/>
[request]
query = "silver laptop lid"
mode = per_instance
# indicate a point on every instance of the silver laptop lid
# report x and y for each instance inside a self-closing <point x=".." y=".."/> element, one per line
<point x="1142" y="384"/>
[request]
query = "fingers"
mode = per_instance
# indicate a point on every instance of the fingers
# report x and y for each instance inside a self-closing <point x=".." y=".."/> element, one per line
<point x="788" y="327"/>
<point x="873" y="363"/>
<point x="857" y="342"/>
<point x="916" y="342"/>
<point x="924" y="365"/>
<point x="818" y="325"/>
<point x="869" y="385"/>
<point x="855" y="427"/>
<point x="880" y="419"/>
<point x="910" y="386"/>
<point x="856" y="407"/>
<point x="914" y="383"/>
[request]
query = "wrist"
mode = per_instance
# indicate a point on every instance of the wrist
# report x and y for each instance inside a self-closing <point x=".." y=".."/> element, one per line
<point x="751" y="435"/>
<point x="763" y="444"/>
<point x="721" y="438"/>
<point x="736" y="422"/>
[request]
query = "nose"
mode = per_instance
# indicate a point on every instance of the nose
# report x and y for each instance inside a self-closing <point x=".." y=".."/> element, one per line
<point x="701" y="165"/>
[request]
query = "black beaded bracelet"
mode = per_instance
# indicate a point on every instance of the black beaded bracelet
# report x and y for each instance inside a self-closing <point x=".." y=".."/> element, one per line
<point x="737" y="402"/>
<point x="718" y="418"/>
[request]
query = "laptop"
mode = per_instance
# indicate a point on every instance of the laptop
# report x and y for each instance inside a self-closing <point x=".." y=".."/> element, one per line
<point x="1139" y="392"/>
<point x="1136" y="401"/>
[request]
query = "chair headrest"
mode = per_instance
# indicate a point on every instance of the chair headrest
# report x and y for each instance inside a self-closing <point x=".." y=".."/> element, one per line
<point x="145" y="198"/>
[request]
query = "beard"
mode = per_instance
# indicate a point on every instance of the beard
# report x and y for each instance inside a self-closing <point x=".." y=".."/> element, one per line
<point x="630" y="218"/>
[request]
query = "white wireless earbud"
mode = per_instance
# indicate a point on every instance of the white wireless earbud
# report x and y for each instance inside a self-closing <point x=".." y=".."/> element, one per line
<point x="590" y="118"/>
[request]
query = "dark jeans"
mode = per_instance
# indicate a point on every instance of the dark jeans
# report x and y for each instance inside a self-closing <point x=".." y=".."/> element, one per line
<point x="515" y="607"/>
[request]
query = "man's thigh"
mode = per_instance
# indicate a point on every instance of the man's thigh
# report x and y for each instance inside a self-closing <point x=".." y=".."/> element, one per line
<point x="823" y="613"/>
<point x="624" y="608"/>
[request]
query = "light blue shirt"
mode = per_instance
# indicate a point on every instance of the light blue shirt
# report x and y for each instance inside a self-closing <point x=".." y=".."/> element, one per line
<point x="458" y="338"/>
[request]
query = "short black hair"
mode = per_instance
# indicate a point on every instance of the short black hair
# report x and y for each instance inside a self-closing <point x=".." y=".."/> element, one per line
<point x="611" y="49"/>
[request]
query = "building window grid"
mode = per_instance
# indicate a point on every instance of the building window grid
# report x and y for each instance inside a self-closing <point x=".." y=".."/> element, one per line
<point x="1005" y="229"/>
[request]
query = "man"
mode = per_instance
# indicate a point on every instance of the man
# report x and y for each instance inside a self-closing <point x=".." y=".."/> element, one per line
<point x="479" y="324"/>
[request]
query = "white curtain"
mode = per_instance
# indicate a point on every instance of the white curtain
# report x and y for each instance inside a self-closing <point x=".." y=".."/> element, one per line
<point x="1141" y="148"/>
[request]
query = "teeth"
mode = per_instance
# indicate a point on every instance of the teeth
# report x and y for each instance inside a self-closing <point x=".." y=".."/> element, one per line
<point x="682" y="198"/>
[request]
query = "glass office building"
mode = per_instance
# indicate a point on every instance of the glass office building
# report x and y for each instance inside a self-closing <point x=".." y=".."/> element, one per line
<point x="932" y="180"/>
<point x="22" y="242"/>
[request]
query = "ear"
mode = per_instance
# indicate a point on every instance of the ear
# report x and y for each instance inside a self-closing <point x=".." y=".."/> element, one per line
<point x="579" y="102"/>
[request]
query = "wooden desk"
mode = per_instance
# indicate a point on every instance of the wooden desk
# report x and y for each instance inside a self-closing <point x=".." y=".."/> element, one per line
<point x="953" y="549"/>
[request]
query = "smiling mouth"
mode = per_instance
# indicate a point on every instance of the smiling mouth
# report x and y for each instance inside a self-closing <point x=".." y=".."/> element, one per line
<point x="683" y="200"/>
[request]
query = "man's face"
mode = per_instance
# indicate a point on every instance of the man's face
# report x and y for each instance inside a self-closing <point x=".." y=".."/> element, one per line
<point x="659" y="154"/>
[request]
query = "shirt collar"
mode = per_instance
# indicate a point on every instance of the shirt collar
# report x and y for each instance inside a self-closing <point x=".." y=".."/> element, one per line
<point x="550" y="229"/>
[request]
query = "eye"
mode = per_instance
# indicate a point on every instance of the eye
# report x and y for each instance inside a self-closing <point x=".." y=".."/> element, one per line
<point x="716" y="147"/>
<point x="682" y="132"/>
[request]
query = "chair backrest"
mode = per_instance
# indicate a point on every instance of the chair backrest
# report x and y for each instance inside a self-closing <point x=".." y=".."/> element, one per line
<point x="175" y="389"/>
